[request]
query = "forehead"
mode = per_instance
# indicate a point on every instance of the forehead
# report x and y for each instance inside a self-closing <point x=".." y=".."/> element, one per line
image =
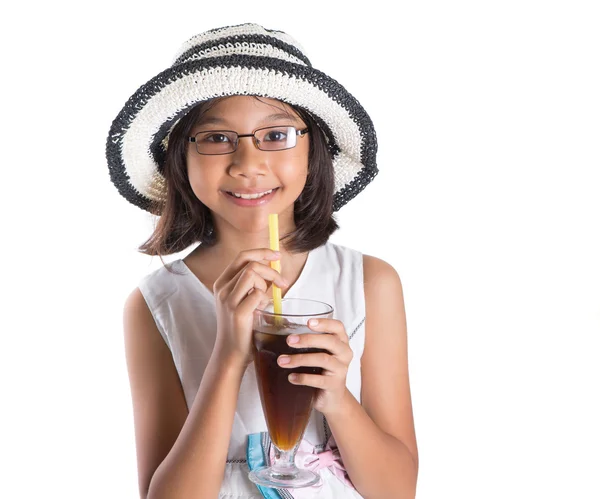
<point x="246" y="109"/>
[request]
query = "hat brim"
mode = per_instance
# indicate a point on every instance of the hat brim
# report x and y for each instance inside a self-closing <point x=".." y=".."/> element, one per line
<point x="135" y="145"/>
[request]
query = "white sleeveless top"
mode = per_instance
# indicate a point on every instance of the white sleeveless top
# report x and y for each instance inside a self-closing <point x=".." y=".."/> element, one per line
<point x="185" y="314"/>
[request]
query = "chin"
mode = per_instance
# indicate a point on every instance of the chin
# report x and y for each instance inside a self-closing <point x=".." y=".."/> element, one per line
<point x="255" y="227"/>
<point x="257" y="223"/>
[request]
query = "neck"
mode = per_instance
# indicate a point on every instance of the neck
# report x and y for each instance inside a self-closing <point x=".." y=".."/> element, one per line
<point x="231" y="241"/>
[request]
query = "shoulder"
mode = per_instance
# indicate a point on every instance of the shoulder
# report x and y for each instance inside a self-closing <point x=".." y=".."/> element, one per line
<point x="145" y="344"/>
<point x="135" y="303"/>
<point x="149" y="303"/>
<point x="158" y="285"/>
<point x="376" y="267"/>
<point x="384" y="297"/>
<point x="380" y="277"/>
<point x="136" y="314"/>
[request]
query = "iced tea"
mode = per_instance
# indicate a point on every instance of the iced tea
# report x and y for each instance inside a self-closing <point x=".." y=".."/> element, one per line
<point x="286" y="406"/>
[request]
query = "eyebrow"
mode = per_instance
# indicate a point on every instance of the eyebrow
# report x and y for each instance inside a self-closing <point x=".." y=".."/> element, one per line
<point x="215" y="120"/>
<point x="279" y="117"/>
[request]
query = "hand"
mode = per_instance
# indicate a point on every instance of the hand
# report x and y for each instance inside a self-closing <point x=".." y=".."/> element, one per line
<point x="239" y="290"/>
<point x="331" y="383"/>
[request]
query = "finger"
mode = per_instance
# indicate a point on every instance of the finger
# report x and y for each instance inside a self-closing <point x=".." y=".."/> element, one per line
<point x="314" y="380"/>
<point x="241" y="260"/>
<point x="319" y="359"/>
<point x="246" y="284"/>
<point x="256" y="299"/>
<point x="254" y="276"/>
<point x="267" y="273"/>
<point x="329" y="326"/>
<point x="243" y="288"/>
<point x="326" y="341"/>
<point x="227" y="288"/>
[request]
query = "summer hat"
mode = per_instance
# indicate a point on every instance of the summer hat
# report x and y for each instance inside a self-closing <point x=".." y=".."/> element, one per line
<point x="236" y="60"/>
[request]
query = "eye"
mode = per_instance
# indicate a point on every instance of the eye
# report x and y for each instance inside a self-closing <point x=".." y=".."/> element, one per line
<point x="278" y="135"/>
<point x="215" y="138"/>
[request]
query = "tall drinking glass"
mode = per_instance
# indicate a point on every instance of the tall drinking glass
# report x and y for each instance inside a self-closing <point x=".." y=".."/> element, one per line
<point x="287" y="407"/>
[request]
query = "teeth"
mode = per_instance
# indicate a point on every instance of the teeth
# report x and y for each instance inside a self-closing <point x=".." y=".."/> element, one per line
<point x="252" y="196"/>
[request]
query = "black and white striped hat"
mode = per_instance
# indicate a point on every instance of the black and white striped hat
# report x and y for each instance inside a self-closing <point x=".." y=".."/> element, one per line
<point x="237" y="60"/>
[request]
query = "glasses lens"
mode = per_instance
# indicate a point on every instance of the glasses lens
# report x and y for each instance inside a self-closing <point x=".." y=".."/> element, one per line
<point x="216" y="142"/>
<point x="276" y="138"/>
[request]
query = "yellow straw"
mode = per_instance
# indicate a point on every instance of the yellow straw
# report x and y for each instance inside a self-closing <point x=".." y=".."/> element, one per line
<point x="274" y="245"/>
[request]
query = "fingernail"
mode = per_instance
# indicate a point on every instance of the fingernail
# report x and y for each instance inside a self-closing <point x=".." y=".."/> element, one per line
<point x="283" y="360"/>
<point x="293" y="339"/>
<point x="293" y="377"/>
<point x="313" y="322"/>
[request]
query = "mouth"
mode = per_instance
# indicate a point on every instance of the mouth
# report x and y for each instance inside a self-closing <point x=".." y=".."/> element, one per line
<point x="256" y="195"/>
<point x="251" y="199"/>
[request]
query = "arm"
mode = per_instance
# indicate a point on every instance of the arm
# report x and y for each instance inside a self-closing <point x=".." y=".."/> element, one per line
<point x="183" y="455"/>
<point x="377" y="441"/>
<point x="179" y="455"/>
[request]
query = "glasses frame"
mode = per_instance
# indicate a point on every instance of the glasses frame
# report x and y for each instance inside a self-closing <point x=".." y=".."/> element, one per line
<point x="255" y="140"/>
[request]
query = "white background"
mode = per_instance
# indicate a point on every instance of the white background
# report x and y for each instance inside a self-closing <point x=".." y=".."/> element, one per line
<point x="487" y="204"/>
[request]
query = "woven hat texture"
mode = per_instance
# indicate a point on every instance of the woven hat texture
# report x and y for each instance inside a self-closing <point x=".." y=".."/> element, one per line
<point x="236" y="60"/>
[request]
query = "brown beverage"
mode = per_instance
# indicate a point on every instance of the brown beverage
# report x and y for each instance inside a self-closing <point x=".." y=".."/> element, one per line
<point x="286" y="406"/>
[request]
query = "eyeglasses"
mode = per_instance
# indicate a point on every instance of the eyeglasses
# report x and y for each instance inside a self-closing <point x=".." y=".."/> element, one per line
<point x="273" y="138"/>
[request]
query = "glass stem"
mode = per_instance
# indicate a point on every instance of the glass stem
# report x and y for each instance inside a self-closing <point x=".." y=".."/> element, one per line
<point x="284" y="462"/>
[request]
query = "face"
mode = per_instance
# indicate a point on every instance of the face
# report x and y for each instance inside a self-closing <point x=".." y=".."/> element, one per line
<point x="249" y="171"/>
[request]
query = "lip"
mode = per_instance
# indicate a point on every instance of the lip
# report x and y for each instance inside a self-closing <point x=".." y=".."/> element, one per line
<point x="250" y="202"/>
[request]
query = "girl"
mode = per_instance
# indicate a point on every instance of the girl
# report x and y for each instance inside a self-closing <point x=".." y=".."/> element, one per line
<point x="238" y="127"/>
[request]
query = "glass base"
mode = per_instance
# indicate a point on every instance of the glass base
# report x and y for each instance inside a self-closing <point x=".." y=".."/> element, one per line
<point x="290" y="479"/>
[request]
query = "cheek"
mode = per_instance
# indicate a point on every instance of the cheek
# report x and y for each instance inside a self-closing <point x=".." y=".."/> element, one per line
<point x="294" y="180"/>
<point x="195" y="179"/>
<point x="200" y="182"/>
<point x="295" y="170"/>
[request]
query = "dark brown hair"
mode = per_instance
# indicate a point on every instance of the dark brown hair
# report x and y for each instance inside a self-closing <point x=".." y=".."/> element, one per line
<point x="185" y="220"/>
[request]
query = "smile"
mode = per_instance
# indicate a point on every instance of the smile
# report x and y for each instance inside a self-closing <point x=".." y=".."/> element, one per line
<point x="251" y="196"/>
<point x="254" y="199"/>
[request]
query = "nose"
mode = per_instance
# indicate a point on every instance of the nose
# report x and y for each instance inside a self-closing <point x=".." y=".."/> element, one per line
<point x="248" y="160"/>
